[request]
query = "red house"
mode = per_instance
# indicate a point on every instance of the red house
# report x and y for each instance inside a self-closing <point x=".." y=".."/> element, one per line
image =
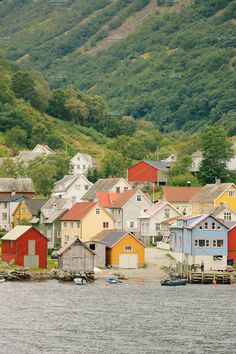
<point x="148" y="171"/>
<point x="232" y="244"/>
<point x="26" y="247"/>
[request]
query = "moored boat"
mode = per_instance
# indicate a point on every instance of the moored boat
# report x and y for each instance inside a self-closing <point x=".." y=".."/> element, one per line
<point x="2" y="280"/>
<point x="173" y="282"/>
<point x="113" y="281"/>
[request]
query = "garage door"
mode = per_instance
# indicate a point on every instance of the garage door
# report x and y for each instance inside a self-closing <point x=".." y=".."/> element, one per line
<point x="128" y="261"/>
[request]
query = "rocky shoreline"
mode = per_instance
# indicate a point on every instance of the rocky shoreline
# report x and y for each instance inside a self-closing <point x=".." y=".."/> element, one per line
<point x="27" y="275"/>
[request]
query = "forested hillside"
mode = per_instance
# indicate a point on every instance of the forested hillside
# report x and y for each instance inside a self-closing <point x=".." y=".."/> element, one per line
<point x="175" y="67"/>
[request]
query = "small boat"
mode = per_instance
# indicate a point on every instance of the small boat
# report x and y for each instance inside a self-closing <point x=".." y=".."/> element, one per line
<point x="173" y="282"/>
<point x="2" y="280"/>
<point x="79" y="281"/>
<point x="97" y="272"/>
<point x="113" y="281"/>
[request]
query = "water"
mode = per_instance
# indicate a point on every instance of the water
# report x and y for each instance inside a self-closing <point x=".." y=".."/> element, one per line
<point x="53" y="317"/>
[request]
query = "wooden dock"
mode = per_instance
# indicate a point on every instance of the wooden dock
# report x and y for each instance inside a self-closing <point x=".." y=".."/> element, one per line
<point x="209" y="278"/>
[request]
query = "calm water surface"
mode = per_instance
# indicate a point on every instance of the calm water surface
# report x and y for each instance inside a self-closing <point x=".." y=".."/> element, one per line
<point x="53" y="317"/>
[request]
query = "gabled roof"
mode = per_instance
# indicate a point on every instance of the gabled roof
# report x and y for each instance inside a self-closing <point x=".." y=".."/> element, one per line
<point x="19" y="185"/>
<point x="210" y="192"/>
<point x="124" y="198"/>
<point x="12" y="198"/>
<point x="43" y="149"/>
<point x="197" y="219"/>
<point x="169" y="221"/>
<point x="160" y="165"/>
<point x="55" y="215"/>
<point x="211" y="209"/>
<point x="17" y="232"/>
<point x="102" y="185"/>
<point x="179" y="194"/>
<point x="66" y="182"/>
<point x="54" y="205"/>
<point x="78" y="211"/>
<point x="106" y="199"/>
<point x="71" y="243"/>
<point x="34" y="205"/>
<point x="152" y="210"/>
<point x="111" y="237"/>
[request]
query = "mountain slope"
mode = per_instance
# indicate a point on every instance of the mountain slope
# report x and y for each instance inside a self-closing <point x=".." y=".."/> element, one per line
<point x="177" y="68"/>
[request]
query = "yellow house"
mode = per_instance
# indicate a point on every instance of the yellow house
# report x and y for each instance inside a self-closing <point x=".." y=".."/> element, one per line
<point x="214" y="195"/>
<point x="85" y="220"/>
<point x="123" y="249"/>
<point x="27" y="210"/>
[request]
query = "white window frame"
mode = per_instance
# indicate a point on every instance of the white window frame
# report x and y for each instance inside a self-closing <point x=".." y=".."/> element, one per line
<point x="130" y="248"/>
<point x="139" y="198"/>
<point x="227" y="216"/>
<point x="231" y="193"/>
<point x="98" y="211"/>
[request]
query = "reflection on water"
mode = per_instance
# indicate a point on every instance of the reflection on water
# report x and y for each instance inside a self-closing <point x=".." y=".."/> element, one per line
<point x="53" y="317"/>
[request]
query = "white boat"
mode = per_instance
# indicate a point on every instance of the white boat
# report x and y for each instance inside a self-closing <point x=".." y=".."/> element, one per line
<point x="80" y="281"/>
<point x="97" y="272"/>
<point x="2" y="280"/>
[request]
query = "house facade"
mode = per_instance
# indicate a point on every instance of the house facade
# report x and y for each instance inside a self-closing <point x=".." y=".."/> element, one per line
<point x="148" y="172"/>
<point x="127" y="209"/>
<point x="84" y="220"/>
<point x="232" y="244"/>
<point x="99" y="248"/>
<point x="7" y="207"/>
<point x="26" y="247"/>
<point x="72" y="187"/>
<point x="76" y="256"/>
<point x="26" y="210"/>
<point x="151" y="222"/>
<point x="81" y="163"/>
<point x="200" y="238"/>
<point x="215" y="195"/>
<point x="180" y="197"/>
<point x="123" y="249"/>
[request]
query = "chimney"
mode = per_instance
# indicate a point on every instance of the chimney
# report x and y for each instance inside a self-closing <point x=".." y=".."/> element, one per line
<point x="13" y="192"/>
<point x="218" y="181"/>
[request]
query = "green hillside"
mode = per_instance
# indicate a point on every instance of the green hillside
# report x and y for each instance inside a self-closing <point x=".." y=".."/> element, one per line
<point x="172" y="62"/>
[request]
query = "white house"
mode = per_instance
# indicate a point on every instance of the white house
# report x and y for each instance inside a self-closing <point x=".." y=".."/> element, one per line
<point x="81" y="163"/>
<point x="151" y="221"/>
<point x="72" y="187"/>
<point x="8" y="205"/>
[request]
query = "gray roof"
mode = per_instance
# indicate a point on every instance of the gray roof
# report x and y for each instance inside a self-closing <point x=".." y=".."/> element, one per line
<point x="161" y="165"/>
<point x="15" y="233"/>
<point x="19" y="185"/>
<point x="12" y="198"/>
<point x="230" y="224"/>
<point x="102" y="185"/>
<point x="211" y="209"/>
<point x="34" y="205"/>
<point x="210" y="192"/>
<point x="70" y="243"/>
<point x="63" y="184"/>
<point x="55" y="215"/>
<point x="113" y="236"/>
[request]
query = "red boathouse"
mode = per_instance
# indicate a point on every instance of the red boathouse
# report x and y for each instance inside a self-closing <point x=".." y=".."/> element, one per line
<point x="26" y="247"/>
<point x="148" y="171"/>
<point x="232" y="244"/>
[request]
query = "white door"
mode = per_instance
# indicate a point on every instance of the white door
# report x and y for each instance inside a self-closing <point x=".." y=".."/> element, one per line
<point x="128" y="261"/>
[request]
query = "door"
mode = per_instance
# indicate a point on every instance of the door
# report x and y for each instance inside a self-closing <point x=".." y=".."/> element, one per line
<point x="31" y="261"/>
<point x="128" y="261"/>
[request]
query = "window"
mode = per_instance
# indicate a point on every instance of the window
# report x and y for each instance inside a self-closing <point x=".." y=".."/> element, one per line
<point x="206" y="225"/>
<point x="92" y="246"/>
<point x="214" y="243"/>
<point x="201" y="243"/>
<point x="213" y="226"/>
<point x="184" y="211"/>
<point x="227" y="216"/>
<point x="231" y="193"/>
<point x="71" y="224"/>
<point x="196" y="243"/>
<point x="128" y="248"/>
<point x="105" y="224"/>
<point x="64" y="224"/>
<point x="23" y="210"/>
<point x="217" y="258"/>
<point x="66" y="239"/>
<point x="5" y="205"/>
<point x="131" y="224"/>
<point x="157" y="227"/>
<point x="207" y="243"/>
<point x="98" y="211"/>
<point x="218" y="227"/>
<point x="220" y="243"/>
<point x="117" y="189"/>
<point x="84" y="167"/>
<point x="125" y="189"/>
<point x="49" y="234"/>
<point x="77" y="187"/>
<point x="78" y="167"/>
<point x="4" y="216"/>
<point x="86" y="187"/>
<point x="180" y="242"/>
<point x="167" y="213"/>
<point x="73" y="199"/>
<point x="78" y="158"/>
<point x="200" y="227"/>
<point x="139" y="198"/>
<point x="78" y="224"/>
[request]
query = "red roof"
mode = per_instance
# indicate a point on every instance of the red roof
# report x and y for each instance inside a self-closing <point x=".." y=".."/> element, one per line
<point x="180" y="194"/>
<point x="78" y="211"/>
<point x="106" y="199"/>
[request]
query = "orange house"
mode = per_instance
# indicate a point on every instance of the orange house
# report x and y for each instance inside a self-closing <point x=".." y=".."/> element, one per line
<point x="123" y="249"/>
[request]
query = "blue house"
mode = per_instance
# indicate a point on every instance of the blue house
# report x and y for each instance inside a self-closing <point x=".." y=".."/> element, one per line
<point x="200" y="238"/>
